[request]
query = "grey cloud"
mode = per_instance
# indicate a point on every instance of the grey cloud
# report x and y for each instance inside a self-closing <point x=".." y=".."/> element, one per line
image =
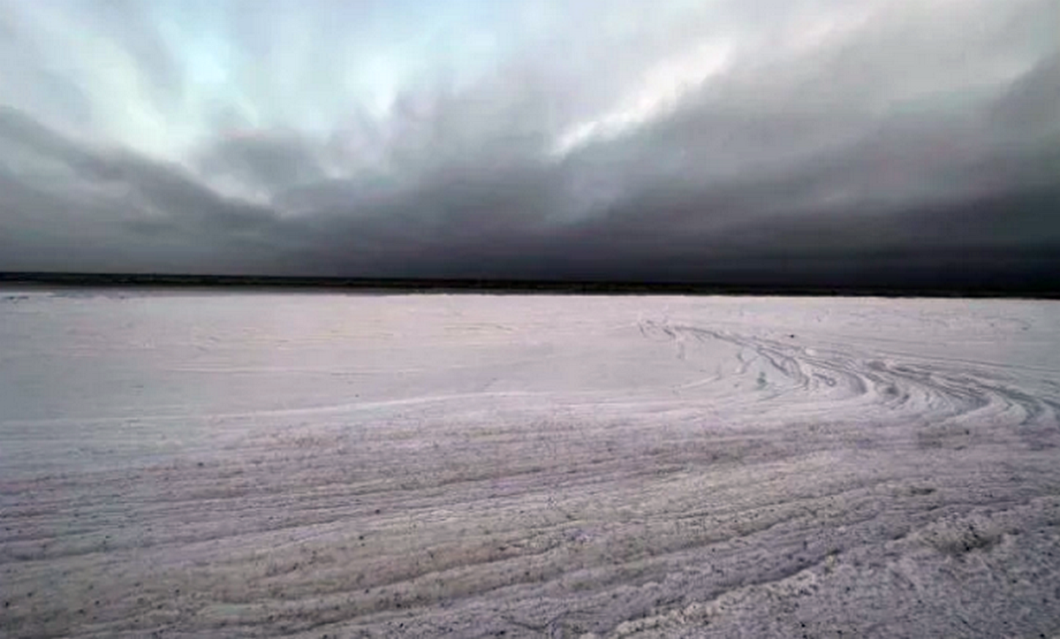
<point x="1032" y="104"/>
<point x="116" y="208"/>
<point x="273" y="162"/>
<point x="457" y="227"/>
<point x="916" y="142"/>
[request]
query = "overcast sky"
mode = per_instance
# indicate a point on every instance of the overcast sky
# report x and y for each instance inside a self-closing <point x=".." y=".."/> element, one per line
<point x="711" y="140"/>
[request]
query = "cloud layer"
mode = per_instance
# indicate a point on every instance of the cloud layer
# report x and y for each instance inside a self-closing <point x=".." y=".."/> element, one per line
<point x="883" y="141"/>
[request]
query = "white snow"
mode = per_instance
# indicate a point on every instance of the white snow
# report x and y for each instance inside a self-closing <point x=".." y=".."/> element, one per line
<point x="251" y="464"/>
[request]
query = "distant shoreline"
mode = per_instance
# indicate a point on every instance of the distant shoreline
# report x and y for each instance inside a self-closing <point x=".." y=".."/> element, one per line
<point x="495" y="286"/>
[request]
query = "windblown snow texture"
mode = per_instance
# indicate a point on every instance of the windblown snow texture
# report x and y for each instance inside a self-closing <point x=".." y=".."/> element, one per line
<point x="247" y="465"/>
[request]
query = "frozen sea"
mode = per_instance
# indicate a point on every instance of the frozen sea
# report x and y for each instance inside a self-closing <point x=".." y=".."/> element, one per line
<point x="256" y="464"/>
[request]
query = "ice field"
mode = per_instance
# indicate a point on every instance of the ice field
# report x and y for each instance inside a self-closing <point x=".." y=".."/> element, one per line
<point x="198" y="463"/>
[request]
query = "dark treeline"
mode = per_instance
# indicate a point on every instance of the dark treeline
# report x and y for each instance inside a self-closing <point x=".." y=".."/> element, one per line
<point x="1032" y="289"/>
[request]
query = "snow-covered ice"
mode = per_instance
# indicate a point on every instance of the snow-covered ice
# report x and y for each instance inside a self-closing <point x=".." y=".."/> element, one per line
<point x="259" y="464"/>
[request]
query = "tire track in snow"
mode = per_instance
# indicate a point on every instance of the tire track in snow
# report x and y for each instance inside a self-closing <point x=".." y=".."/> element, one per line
<point x="940" y="394"/>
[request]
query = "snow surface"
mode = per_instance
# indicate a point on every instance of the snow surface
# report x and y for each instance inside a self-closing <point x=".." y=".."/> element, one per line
<point x="205" y="464"/>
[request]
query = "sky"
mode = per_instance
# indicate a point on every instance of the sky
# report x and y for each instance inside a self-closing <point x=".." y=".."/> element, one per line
<point x="877" y="142"/>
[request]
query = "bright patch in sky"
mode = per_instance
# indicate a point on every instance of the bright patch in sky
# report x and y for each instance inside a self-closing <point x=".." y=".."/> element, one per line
<point x="660" y="92"/>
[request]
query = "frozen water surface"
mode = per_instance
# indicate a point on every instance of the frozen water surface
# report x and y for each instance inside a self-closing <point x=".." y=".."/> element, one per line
<point x="250" y="464"/>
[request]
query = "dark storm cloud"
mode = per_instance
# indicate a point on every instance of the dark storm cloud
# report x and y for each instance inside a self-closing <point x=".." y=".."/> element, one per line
<point x="116" y="209"/>
<point x="885" y="143"/>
